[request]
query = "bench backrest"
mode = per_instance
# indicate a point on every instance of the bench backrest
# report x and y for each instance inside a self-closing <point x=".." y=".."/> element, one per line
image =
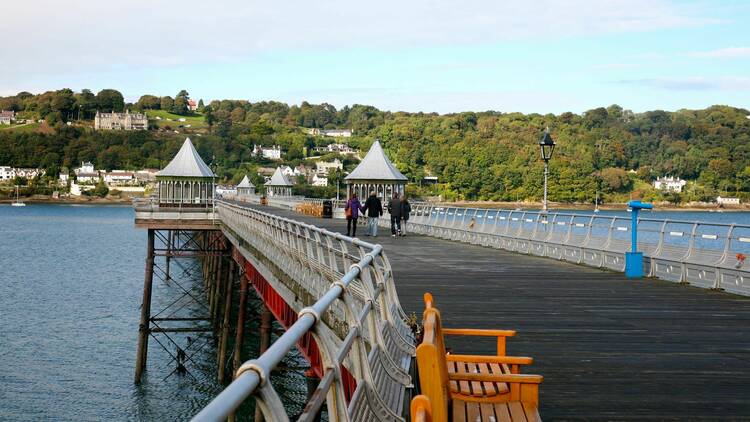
<point x="433" y="368"/>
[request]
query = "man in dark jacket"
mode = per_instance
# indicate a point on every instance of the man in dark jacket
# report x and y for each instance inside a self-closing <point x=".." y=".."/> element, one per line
<point x="405" y="211"/>
<point x="374" y="210"/>
<point x="394" y="208"/>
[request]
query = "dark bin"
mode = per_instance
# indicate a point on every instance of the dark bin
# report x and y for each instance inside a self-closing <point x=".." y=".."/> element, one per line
<point x="327" y="209"/>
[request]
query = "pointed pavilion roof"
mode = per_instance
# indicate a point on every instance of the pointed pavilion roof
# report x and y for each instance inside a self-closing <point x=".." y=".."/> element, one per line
<point x="376" y="166"/>
<point x="187" y="163"/>
<point x="245" y="183"/>
<point x="278" y="179"/>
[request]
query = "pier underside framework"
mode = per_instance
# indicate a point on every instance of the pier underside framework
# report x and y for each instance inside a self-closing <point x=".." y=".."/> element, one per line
<point x="195" y="264"/>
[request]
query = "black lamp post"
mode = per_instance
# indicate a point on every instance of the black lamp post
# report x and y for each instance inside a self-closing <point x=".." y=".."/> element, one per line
<point x="546" y="147"/>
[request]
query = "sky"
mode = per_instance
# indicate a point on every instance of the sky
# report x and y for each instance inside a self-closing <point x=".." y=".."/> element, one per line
<point x="416" y="55"/>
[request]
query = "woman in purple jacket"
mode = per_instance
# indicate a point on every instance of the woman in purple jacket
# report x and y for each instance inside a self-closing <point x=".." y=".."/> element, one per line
<point x="351" y="210"/>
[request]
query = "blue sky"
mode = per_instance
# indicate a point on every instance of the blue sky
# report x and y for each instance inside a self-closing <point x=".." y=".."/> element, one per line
<point x="543" y="56"/>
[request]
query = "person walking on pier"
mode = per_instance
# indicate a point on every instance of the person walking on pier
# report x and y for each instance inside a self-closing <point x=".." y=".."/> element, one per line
<point x="405" y="211"/>
<point x="374" y="210"/>
<point x="394" y="208"/>
<point x="351" y="211"/>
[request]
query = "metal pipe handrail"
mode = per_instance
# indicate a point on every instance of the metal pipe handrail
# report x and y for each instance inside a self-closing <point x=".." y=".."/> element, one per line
<point x="318" y="247"/>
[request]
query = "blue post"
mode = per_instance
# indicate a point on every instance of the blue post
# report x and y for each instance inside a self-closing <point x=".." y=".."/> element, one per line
<point x="634" y="259"/>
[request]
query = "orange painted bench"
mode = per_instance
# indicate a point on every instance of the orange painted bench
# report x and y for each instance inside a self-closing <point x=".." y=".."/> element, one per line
<point x="471" y="387"/>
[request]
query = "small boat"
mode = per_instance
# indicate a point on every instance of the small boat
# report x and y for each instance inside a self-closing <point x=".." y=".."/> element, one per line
<point x="18" y="203"/>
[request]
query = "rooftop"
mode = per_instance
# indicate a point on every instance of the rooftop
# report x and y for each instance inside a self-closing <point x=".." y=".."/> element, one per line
<point x="376" y="166"/>
<point x="278" y="179"/>
<point x="245" y="183"/>
<point x="187" y="163"/>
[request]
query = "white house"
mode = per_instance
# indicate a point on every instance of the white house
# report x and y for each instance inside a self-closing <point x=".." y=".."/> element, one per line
<point x="63" y="178"/>
<point x="86" y="173"/>
<point x="7" y="173"/>
<point x="289" y="172"/>
<point x="672" y="184"/>
<point x="119" y="177"/>
<point x="727" y="201"/>
<point x="272" y="153"/>
<point x="323" y="168"/>
<point x="319" y="180"/>
<point x="146" y="175"/>
<point x="335" y="133"/>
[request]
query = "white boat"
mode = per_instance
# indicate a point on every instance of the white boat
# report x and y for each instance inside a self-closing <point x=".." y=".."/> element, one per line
<point x="18" y="203"/>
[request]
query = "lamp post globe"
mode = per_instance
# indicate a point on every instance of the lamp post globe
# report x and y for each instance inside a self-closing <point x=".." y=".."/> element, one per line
<point x="546" y="148"/>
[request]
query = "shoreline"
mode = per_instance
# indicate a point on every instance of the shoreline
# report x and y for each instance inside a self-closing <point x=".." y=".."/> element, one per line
<point x="41" y="199"/>
<point x="589" y="207"/>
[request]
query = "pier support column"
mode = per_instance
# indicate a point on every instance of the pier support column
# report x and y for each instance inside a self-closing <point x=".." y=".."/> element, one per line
<point x="237" y="360"/>
<point x="170" y="250"/>
<point x="229" y="279"/>
<point x="144" y="326"/>
<point x="265" y="340"/>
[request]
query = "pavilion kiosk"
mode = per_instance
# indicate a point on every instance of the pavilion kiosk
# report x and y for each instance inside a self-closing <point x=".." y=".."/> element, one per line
<point x="186" y="180"/>
<point x="279" y="185"/>
<point x="376" y="173"/>
<point x="245" y="188"/>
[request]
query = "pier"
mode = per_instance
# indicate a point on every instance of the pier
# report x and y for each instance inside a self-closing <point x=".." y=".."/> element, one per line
<point x="609" y="347"/>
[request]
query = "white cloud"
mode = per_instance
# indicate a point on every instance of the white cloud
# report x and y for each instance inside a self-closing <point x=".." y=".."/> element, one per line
<point x="723" y="53"/>
<point x="92" y="34"/>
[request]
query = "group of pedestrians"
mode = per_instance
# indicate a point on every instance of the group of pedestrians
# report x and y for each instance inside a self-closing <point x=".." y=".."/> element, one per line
<point x="398" y="207"/>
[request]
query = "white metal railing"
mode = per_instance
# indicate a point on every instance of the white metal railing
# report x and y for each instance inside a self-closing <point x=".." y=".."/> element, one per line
<point x="704" y="254"/>
<point x="356" y="319"/>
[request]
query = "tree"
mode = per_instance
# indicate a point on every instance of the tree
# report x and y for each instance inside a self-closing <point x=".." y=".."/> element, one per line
<point x="63" y="103"/>
<point x="85" y="104"/>
<point x="167" y="103"/>
<point x="110" y="100"/>
<point x="208" y="116"/>
<point x="201" y="106"/>
<point x="149" y="102"/>
<point x="180" y="105"/>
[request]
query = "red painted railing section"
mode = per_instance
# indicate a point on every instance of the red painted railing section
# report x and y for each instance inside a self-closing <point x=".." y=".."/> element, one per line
<point x="287" y="316"/>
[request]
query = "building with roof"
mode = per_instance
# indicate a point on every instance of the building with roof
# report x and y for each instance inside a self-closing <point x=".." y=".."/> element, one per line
<point x="672" y="184"/>
<point x="376" y="173"/>
<point x="323" y="168"/>
<point x="120" y="121"/>
<point x="279" y="185"/>
<point x="245" y="188"/>
<point x="119" y="177"/>
<point x="272" y="153"/>
<point x="187" y="179"/>
<point x="192" y="105"/>
<point x="7" y="117"/>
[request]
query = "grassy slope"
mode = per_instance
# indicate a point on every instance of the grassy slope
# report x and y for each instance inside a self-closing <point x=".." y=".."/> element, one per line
<point x="195" y="121"/>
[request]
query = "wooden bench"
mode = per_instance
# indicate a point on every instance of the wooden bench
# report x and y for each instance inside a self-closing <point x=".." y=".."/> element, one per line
<point x="472" y="387"/>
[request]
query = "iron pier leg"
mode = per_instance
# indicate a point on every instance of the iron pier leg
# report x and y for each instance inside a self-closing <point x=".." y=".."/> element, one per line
<point x="237" y="361"/>
<point x="265" y="341"/>
<point x="143" y="327"/>
<point x="229" y="278"/>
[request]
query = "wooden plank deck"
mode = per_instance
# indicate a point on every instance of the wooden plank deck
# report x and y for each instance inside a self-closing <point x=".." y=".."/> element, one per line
<point x="609" y="348"/>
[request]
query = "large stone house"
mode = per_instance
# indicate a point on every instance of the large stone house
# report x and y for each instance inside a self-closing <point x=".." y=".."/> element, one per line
<point x="120" y="121"/>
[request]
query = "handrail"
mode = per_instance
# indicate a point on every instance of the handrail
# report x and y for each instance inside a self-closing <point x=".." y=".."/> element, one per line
<point x="706" y="254"/>
<point x="362" y="296"/>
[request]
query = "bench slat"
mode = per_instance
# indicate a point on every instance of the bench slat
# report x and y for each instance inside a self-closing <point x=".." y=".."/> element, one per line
<point x="459" y="411"/>
<point x="501" y="412"/>
<point x="516" y="411"/>
<point x="532" y="412"/>
<point x="489" y="387"/>
<point x="473" y="412"/>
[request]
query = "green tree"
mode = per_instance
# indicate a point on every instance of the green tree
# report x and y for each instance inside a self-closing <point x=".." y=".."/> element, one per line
<point x="110" y="100"/>
<point x="167" y="103"/>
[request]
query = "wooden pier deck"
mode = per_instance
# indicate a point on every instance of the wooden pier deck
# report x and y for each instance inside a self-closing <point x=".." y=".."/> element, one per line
<point x="609" y="348"/>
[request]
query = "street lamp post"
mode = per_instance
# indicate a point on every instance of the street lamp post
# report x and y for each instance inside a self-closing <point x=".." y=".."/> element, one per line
<point x="546" y="146"/>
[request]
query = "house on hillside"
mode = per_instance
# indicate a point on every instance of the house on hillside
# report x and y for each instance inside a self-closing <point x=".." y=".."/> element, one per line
<point x="119" y="177"/>
<point x="272" y="153"/>
<point x="323" y="168"/>
<point x="670" y="184"/>
<point x="727" y="200"/>
<point x="192" y="105"/>
<point x="120" y="121"/>
<point x="7" y="117"/>
<point x="319" y="180"/>
<point x="86" y="173"/>
<point x="335" y="133"/>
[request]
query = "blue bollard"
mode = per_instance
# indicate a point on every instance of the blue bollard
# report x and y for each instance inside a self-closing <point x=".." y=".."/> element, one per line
<point x="634" y="259"/>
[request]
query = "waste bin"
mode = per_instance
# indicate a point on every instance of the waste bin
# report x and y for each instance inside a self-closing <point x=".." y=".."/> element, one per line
<point x="327" y="209"/>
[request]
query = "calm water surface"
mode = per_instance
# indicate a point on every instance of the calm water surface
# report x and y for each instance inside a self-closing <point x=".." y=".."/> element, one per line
<point x="71" y="280"/>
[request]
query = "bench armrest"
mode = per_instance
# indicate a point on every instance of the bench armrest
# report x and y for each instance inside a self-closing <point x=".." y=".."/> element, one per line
<point x="512" y="360"/>
<point x="500" y="334"/>
<point x="478" y="332"/>
<point x="523" y="388"/>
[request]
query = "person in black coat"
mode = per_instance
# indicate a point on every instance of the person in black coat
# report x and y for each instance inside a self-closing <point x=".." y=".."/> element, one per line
<point x="394" y="208"/>
<point x="374" y="210"/>
<point x="405" y="211"/>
